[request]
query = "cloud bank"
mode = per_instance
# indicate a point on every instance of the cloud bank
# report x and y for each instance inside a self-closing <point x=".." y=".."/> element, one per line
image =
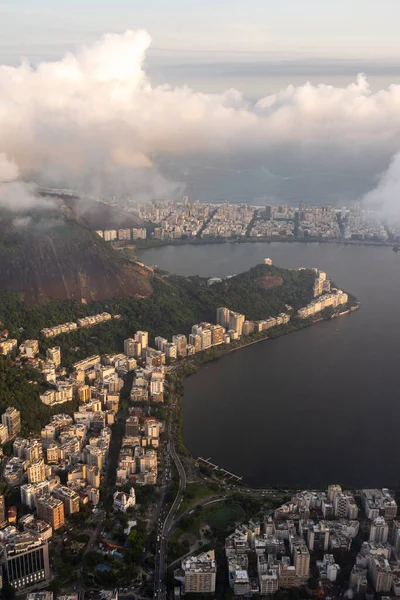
<point x="94" y="121"/>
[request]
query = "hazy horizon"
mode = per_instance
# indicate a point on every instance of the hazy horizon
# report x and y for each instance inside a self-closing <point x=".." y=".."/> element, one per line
<point x="257" y="103"/>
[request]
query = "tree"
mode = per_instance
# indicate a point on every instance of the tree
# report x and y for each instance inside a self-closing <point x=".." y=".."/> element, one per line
<point x="8" y="591"/>
<point x="313" y="583"/>
<point x="94" y="558"/>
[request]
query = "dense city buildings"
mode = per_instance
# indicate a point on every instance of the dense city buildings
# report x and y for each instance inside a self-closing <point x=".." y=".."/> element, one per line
<point x="193" y="219"/>
<point x="302" y="533"/>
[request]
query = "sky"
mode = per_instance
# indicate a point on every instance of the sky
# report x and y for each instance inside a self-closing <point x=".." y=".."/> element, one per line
<point x="221" y="98"/>
<point x="206" y="28"/>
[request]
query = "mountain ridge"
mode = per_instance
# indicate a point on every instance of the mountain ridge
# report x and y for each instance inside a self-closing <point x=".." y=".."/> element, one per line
<point x="47" y="255"/>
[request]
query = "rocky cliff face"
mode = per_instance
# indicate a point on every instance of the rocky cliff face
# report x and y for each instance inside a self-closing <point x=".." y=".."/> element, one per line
<point x="49" y="256"/>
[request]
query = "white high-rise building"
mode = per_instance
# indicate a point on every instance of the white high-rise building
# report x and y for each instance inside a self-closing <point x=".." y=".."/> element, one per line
<point x="236" y="321"/>
<point x="143" y="338"/>
<point x="379" y="531"/>
<point x="206" y="339"/>
<point x="223" y="316"/>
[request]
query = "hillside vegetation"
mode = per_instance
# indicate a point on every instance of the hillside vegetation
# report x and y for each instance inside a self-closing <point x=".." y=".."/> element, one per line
<point x="174" y="306"/>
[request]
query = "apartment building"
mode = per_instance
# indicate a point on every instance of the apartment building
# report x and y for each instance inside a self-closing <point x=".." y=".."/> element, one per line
<point x="206" y="339"/>
<point x="200" y="573"/>
<point x="181" y="342"/>
<point x="160" y="342"/>
<point x="51" y="510"/>
<point x="37" y="471"/>
<point x="379" y="530"/>
<point x="318" y="536"/>
<point x="381" y="573"/>
<point x="129" y="347"/>
<point x="157" y="385"/>
<point x="30" y="492"/>
<point x="142" y="337"/>
<point x="171" y="351"/>
<point x="223" y="316"/>
<point x="236" y="321"/>
<point x="217" y="334"/>
<point x="378" y="503"/>
<point x="53" y="355"/>
<point x="3" y="434"/>
<point x="195" y="341"/>
<point x="69" y="498"/>
<point x="301" y="561"/>
<point x="93" y="476"/>
<point x="87" y="363"/>
<point x="12" y="420"/>
<point x="29" y="348"/>
<point x="25" y="561"/>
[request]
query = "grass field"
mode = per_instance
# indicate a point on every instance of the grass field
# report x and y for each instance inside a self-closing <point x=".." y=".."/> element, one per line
<point x="220" y="517"/>
<point x="195" y="493"/>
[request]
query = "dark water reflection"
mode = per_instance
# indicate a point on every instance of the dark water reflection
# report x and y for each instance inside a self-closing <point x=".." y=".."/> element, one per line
<point x="317" y="406"/>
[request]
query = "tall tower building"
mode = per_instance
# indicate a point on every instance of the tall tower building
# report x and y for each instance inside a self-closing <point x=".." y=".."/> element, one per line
<point x="143" y="338"/>
<point x="160" y="342"/>
<point x="236" y="321"/>
<point x="12" y="420"/>
<point x="301" y="561"/>
<point x="181" y="343"/>
<point x="223" y="316"/>
<point x="379" y="531"/>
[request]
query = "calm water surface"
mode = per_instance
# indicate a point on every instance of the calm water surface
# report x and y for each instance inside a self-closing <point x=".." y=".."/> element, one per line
<point x="316" y="406"/>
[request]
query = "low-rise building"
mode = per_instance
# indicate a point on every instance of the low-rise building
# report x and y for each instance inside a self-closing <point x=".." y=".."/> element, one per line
<point x="124" y="501"/>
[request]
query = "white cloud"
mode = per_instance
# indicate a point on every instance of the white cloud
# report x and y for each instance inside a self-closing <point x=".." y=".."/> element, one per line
<point x="93" y="119"/>
<point x="386" y="196"/>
